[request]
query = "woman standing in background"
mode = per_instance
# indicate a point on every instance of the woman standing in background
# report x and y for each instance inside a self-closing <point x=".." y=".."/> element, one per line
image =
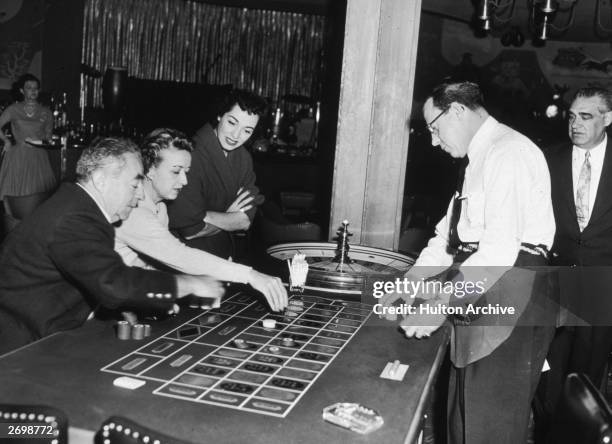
<point x="25" y="169"/>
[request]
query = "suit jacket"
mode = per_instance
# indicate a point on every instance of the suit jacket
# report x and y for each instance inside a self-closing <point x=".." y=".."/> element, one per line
<point x="592" y="247"/>
<point x="59" y="264"/>
<point x="584" y="257"/>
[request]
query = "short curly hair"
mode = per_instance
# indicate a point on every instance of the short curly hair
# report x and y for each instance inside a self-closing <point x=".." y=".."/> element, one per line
<point x="162" y="139"/>
<point x="102" y="152"/>
<point x="21" y="81"/>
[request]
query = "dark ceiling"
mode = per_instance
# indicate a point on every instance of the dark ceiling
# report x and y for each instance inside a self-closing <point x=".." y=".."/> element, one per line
<point x="590" y="21"/>
<point x="579" y="25"/>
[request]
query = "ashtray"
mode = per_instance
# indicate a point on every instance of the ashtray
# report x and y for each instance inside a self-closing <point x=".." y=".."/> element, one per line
<point x="352" y="416"/>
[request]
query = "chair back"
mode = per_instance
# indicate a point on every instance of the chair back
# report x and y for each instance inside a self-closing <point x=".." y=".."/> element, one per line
<point x="40" y="415"/>
<point x="583" y="415"/>
<point x="119" y="430"/>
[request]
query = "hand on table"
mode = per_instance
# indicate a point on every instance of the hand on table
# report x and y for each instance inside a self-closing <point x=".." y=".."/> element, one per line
<point x="422" y="325"/>
<point x="271" y="287"/>
<point x="201" y="286"/>
<point x="395" y="297"/>
<point x="390" y="299"/>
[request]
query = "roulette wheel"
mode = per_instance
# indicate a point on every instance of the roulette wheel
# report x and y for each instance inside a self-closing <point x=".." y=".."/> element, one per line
<point x="337" y="267"/>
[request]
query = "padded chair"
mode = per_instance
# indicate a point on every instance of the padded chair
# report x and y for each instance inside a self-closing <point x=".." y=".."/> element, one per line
<point x="18" y="208"/>
<point x="583" y="415"/>
<point x="119" y="430"/>
<point x="36" y="414"/>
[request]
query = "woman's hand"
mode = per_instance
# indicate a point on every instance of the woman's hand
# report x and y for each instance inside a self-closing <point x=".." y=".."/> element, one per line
<point x="7" y="147"/>
<point x="242" y="202"/>
<point x="271" y="287"/>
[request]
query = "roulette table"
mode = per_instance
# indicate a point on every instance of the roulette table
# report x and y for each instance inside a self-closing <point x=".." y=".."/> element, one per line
<point x="202" y="385"/>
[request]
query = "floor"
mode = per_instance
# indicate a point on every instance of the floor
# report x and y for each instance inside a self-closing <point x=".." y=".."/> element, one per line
<point x="433" y="429"/>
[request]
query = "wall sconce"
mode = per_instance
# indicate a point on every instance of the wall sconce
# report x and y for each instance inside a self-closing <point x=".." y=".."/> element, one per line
<point x="543" y="28"/>
<point x="499" y="13"/>
<point x="548" y="7"/>
<point x="492" y="12"/>
<point x="543" y="15"/>
<point x="484" y="10"/>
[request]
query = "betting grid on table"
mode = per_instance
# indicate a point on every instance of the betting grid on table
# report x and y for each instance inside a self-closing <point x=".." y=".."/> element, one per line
<point x="224" y="356"/>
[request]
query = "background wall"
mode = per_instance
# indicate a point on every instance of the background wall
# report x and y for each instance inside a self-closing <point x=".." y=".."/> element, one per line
<point x="518" y="82"/>
<point x="525" y="75"/>
<point x="21" y="35"/>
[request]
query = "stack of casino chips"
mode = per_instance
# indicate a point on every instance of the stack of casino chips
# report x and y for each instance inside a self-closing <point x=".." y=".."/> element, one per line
<point x="294" y="308"/>
<point x="125" y="330"/>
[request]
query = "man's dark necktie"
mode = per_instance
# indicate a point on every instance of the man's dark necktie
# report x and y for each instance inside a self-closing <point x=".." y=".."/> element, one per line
<point x="453" y="236"/>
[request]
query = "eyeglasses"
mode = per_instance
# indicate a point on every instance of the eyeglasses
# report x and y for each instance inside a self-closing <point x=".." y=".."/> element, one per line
<point x="432" y="129"/>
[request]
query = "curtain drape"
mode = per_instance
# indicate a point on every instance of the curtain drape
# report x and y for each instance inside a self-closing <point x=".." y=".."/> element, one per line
<point x="269" y="52"/>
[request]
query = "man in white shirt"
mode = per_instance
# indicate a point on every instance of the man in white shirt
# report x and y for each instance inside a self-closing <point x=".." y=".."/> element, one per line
<point x="501" y="218"/>
<point x="143" y="239"/>
<point x="581" y="178"/>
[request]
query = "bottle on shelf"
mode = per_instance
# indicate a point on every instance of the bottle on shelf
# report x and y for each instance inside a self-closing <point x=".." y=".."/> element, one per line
<point x="59" y="110"/>
<point x="276" y="126"/>
<point x="64" y="110"/>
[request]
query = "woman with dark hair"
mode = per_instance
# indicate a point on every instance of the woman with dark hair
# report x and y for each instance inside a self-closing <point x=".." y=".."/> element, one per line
<point x="220" y="196"/>
<point x="26" y="169"/>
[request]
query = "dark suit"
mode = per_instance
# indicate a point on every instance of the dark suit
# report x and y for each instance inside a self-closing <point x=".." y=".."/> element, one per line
<point x="59" y="265"/>
<point x="584" y="279"/>
<point x="592" y="247"/>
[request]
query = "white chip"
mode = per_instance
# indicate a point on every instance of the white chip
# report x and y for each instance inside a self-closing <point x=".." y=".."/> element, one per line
<point x="269" y="323"/>
<point x="128" y="383"/>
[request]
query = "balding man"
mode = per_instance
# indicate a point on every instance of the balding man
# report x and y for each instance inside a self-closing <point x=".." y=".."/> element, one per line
<point x="581" y="175"/>
<point x="59" y="264"/>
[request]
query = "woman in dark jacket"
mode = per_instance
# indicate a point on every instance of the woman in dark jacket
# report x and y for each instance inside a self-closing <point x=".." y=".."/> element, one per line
<point x="220" y="196"/>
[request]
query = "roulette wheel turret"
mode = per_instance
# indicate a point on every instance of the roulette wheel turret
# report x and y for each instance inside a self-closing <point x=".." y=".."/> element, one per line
<point x="337" y="267"/>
